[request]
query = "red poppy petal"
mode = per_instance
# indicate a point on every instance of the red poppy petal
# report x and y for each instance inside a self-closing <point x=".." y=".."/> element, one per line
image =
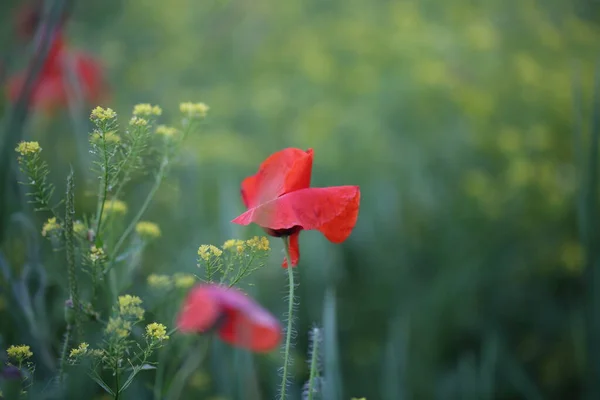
<point x="282" y="172"/>
<point x="294" y="250"/>
<point x="200" y="310"/>
<point x="333" y="211"/>
<point x="89" y="73"/>
<point x="247" y="324"/>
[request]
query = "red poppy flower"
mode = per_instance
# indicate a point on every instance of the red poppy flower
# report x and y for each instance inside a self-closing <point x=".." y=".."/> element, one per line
<point x="278" y="198"/>
<point x="55" y="81"/>
<point x="239" y="320"/>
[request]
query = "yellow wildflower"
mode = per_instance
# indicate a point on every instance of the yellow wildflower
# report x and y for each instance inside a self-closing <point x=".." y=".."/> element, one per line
<point x="50" y="226"/>
<point x="109" y="137"/>
<point x="25" y="148"/>
<point x="206" y="251"/>
<point x="146" y="110"/>
<point x="194" y="109"/>
<point x="118" y="326"/>
<point x="200" y="380"/>
<point x="166" y="131"/>
<point x="232" y="244"/>
<point x="159" y="281"/>
<point x="259" y="243"/>
<point x="130" y="306"/>
<point x="147" y="230"/>
<point x="79" y="228"/>
<point x="96" y="253"/>
<point x="137" y="121"/>
<point x="19" y="353"/>
<point x="102" y="114"/>
<point x="116" y="206"/>
<point x="81" y="350"/>
<point x="156" y="331"/>
<point x="184" y="281"/>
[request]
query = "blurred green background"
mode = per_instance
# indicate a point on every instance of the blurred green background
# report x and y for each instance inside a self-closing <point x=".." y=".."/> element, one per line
<point x="464" y="277"/>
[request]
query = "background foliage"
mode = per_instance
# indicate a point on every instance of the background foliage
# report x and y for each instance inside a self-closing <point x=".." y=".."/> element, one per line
<point x="464" y="276"/>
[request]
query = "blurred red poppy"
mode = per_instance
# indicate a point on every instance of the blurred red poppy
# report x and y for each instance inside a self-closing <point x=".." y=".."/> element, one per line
<point x="63" y="72"/>
<point x="279" y="199"/>
<point x="238" y="319"/>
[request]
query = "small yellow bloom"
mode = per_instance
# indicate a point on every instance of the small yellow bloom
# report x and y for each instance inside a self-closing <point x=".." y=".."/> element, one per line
<point x="79" y="228"/>
<point x="206" y="251"/>
<point x="25" y="148"/>
<point x="109" y="137"/>
<point x="19" y="353"/>
<point x="96" y="254"/>
<point x="159" y="281"/>
<point x="50" y="226"/>
<point x="166" y="131"/>
<point x="81" y="350"/>
<point x="130" y="306"/>
<point x="146" y="110"/>
<point x="184" y="281"/>
<point x="156" y="331"/>
<point x="259" y="243"/>
<point x="232" y="244"/>
<point x="194" y="109"/>
<point x="137" y="121"/>
<point x="102" y="114"/>
<point x="115" y="206"/>
<point x="147" y="230"/>
<point x="118" y="326"/>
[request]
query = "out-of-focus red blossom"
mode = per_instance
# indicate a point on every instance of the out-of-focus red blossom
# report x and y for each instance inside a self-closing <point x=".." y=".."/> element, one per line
<point x="52" y="88"/>
<point x="278" y="198"/>
<point x="238" y="319"/>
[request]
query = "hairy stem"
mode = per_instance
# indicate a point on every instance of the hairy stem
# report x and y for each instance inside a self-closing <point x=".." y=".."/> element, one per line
<point x="63" y="353"/>
<point x="314" y="364"/>
<point x="290" y="322"/>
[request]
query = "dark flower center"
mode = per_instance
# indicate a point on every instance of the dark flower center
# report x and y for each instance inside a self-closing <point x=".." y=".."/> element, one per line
<point x="283" y="232"/>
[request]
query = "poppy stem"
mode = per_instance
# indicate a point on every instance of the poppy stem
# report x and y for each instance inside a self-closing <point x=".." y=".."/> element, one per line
<point x="287" y="361"/>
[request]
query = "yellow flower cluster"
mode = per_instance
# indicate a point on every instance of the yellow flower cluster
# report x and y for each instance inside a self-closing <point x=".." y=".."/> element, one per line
<point x="115" y="206"/>
<point x="166" y="131"/>
<point x="234" y="244"/>
<point x="137" y="121"/>
<point x="206" y="251"/>
<point x="50" y="226"/>
<point x="259" y="243"/>
<point x="130" y="306"/>
<point x="19" y="353"/>
<point x="102" y="114"/>
<point x="81" y="350"/>
<point x="79" y="228"/>
<point x="118" y="326"/>
<point x="159" y="281"/>
<point x="96" y="254"/>
<point x="147" y="230"/>
<point x="25" y="148"/>
<point x="146" y="110"/>
<point x="109" y="137"/>
<point x="156" y="331"/>
<point x="184" y="281"/>
<point x="194" y="109"/>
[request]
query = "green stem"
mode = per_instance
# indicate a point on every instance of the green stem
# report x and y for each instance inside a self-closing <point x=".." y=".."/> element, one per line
<point x="290" y="322"/>
<point x="191" y="364"/>
<point x="313" y="363"/>
<point x="104" y="184"/>
<point x="118" y="388"/>
<point x="63" y="353"/>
